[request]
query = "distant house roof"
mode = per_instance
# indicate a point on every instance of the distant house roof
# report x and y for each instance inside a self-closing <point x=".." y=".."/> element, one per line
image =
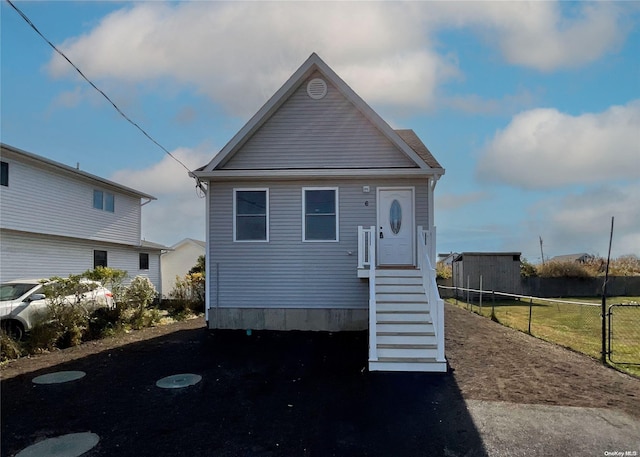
<point x="52" y="164"/>
<point x="154" y="246"/>
<point x="581" y="257"/>
<point x="189" y="240"/>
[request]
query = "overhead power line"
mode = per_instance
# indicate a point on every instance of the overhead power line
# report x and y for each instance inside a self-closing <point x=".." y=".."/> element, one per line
<point x="127" y="118"/>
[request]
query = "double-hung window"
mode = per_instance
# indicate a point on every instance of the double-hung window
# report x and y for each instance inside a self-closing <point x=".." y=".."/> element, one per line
<point x="250" y="214"/>
<point x="103" y="201"/>
<point x="320" y="214"/>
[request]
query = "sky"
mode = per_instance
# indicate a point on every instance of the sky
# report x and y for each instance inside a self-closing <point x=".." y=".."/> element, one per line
<point x="533" y="109"/>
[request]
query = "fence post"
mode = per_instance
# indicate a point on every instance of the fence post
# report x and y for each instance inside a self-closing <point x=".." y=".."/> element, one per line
<point x="480" y="294"/>
<point x="493" y="305"/>
<point x="468" y="300"/>
<point x="530" y="310"/>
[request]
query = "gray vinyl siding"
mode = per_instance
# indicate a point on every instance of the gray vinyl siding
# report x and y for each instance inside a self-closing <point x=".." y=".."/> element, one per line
<point x="287" y="272"/>
<point x="326" y="133"/>
<point x="34" y="256"/>
<point x="42" y="201"/>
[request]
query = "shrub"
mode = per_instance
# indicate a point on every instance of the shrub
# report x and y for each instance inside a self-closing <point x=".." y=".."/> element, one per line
<point x="527" y="269"/>
<point x="443" y="271"/>
<point x="187" y="296"/>
<point x="136" y="299"/>
<point x="567" y="269"/>
<point x="626" y="265"/>
<point x="110" y="278"/>
<point x="65" y="320"/>
<point x="9" y="348"/>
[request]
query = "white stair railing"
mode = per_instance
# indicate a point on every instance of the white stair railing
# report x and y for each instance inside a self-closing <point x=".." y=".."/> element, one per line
<point x="436" y="303"/>
<point x="373" y="342"/>
<point x="364" y="252"/>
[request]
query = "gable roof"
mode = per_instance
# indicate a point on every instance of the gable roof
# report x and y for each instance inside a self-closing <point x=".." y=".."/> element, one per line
<point x="65" y="169"/>
<point x="416" y="152"/>
<point x="415" y="143"/>
<point x="202" y="244"/>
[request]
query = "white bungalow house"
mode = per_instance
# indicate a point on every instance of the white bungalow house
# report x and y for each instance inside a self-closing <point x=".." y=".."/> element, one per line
<point x="320" y="217"/>
<point x="58" y="220"/>
<point x="178" y="260"/>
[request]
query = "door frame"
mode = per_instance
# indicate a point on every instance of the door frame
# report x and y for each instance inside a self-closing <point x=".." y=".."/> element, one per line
<point x="413" y="222"/>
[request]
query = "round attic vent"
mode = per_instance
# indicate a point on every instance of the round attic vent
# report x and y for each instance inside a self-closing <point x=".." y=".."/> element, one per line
<point x="317" y="88"/>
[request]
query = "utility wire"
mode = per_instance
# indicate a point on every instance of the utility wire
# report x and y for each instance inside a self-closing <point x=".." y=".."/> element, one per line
<point x="28" y="21"/>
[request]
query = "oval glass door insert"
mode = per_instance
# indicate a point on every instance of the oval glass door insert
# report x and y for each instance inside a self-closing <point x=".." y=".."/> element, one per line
<point x="395" y="217"/>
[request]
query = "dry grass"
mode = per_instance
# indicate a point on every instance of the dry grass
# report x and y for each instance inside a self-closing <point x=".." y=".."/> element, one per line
<point x="578" y="327"/>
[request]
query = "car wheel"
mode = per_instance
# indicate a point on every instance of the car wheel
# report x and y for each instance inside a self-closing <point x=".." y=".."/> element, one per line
<point x="13" y="329"/>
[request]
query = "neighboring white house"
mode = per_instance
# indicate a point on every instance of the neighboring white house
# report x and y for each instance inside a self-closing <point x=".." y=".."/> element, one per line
<point x="320" y="217"/>
<point x="177" y="261"/>
<point x="58" y="220"/>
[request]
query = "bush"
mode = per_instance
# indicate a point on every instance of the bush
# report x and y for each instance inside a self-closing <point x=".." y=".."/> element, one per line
<point x="110" y="278"/>
<point x="9" y="348"/>
<point x="443" y="271"/>
<point x="136" y="299"/>
<point x="527" y="269"/>
<point x="187" y="296"/>
<point x="567" y="269"/>
<point x="626" y="265"/>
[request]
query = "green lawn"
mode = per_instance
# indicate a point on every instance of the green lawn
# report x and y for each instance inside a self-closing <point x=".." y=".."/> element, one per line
<point x="578" y="327"/>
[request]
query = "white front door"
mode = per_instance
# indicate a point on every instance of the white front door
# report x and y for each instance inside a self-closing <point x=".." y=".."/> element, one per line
<point x="395" y="226"/>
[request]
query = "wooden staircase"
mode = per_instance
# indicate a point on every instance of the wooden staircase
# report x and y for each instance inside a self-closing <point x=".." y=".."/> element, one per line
<point x="405" y="337"/>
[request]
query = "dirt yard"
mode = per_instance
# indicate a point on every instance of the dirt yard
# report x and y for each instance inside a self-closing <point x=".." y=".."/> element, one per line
<point x="273" y="394"/>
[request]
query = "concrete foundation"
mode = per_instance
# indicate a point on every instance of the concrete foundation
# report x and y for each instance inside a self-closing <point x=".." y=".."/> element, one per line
<point x="330" y="320"/>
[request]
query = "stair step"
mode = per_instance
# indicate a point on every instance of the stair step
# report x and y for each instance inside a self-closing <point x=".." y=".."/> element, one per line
<point x="402" y="339"/>
<point x="394" y="280"/>
<point x="402" y="327"/>
<point x="401" y="298"/>
<point x="399" y="288"/>
<point x="407" y="346"/>
<point x="420" y="365"/>
<point x="413" y="354"/>
<point x="407" y="273"/>
<point x="402" y="307"/>
<point x="410" y="316"/>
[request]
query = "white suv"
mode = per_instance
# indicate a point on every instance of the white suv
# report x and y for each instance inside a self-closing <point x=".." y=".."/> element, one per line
<point x="22" y="300"/>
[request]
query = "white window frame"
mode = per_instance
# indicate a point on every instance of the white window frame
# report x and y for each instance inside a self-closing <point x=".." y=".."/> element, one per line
<point x="250" y="189"/>
<point x="103" y="206"/>
<point x="304" y="215"/>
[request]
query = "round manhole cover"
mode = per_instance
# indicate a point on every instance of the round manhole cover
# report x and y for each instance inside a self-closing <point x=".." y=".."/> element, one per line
<point x="177" y="381"/>
<point x="71" y="445"/>
<point x="59" y="377"/>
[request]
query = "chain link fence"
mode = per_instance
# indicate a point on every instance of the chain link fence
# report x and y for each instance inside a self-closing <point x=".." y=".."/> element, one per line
<point x="624" y="333"/>
<point x="574" y="324"/>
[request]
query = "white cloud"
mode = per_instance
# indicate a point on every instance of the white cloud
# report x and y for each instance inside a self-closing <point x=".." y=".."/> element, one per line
<point x="239" y="53"/>
<point x="179" y="212"/>
<point x="582" y="222"/>
<point x="544" y="148"/>
<point x="541" y="35"/>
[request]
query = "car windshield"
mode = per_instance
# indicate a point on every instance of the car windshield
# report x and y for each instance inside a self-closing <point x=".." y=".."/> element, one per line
<point x="13" y="291"/>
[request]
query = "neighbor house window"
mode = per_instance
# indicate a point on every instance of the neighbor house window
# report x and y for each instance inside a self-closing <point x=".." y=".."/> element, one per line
<point x="103" y="201"/>
<point x="99" y="259"/>
<point x="144" y="261"/>
<point x="320" y="214"/>
<point x="251" y="215"/>
<point x="4" y="174"/>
